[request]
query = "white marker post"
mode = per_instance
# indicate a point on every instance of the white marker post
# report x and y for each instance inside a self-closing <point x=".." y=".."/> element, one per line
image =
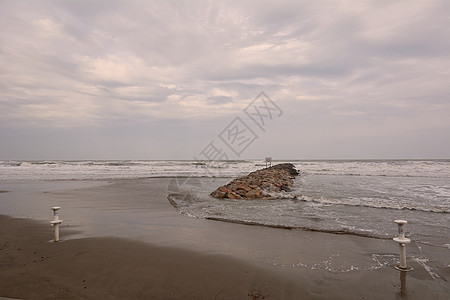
<point x="402" y="241"/>
<point x="55" y="223"/>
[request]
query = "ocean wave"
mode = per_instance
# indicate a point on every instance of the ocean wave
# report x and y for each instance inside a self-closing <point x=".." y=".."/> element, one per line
<point x="183" y="201"/>
<point x="59" y="169"/>
<point x="371" y="204"/>
<point x="388" y="168"/>
<point x="11" y="163"/>
<point x="334" y="173"/>
<point x="43" y="162"/>
<point x="312" y="214"/>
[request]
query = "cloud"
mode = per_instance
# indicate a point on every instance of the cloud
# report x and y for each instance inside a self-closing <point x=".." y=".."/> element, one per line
<point x="378" y="67"/>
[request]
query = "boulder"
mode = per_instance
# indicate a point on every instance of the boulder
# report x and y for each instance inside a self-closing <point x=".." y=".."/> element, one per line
<point x="256" y="193"/>
<point x="233" y="195"/>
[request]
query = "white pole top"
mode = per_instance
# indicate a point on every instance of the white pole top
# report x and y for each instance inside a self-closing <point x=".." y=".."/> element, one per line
<point x="400" y="221"/>
<point x="56" y="207"/>
<point x="402" y="240"/>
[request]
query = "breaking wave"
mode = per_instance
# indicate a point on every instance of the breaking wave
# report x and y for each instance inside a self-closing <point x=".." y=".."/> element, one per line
<point x="266" y="213"/>
<point x="377" y="203"/>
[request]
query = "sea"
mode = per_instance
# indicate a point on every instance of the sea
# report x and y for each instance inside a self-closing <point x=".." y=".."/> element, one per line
<point x="356" y="197"/>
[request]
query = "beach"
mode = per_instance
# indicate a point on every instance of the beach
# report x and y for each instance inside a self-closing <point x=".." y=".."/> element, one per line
<point x="114" y="268"/>
<point x="123" y="239"/>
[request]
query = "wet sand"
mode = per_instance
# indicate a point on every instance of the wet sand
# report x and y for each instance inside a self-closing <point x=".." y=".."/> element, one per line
<point x="170" y="256"/>
<point x="31" y="267"/>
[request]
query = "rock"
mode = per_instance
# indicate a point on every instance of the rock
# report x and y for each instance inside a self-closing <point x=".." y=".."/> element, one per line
<point x="218" y="194"/>
<point x="241" y="192"/>
<point x="259" y="184"/>
<point x="256" y="193"/>
<point x="243" y="187"/>
<point x="233" y="195"/>
<point x="285" y="188"/>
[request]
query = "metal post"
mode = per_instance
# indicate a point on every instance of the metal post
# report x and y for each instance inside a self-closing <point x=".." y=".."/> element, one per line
<point x="56" y="227"/>
<point x="402" y="241"/>
<point x="403" y="291"/>
<point x="55" y="223"/>
<point x="402" y="256"/>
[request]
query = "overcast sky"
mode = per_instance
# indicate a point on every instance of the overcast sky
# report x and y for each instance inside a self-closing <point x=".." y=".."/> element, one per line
<point x="165" y="79"/>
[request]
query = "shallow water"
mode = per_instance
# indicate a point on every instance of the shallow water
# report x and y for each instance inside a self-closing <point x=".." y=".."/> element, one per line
<point x="360" y="198"/>
<point x="352" y="197"/>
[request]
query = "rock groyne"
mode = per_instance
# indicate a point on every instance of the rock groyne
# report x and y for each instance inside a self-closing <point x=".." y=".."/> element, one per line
<point x="259" y="184"/>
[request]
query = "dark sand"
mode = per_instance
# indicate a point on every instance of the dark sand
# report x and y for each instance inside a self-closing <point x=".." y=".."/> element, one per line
<point x="186" y="258"/>
<point x="112" y="268"/>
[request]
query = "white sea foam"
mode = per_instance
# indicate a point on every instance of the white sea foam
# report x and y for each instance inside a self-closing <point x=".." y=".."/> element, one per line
<point x="397" y="168"/>
<point x="105" y="169"/>
<point x="82" y="170"/>
<point x="376" y="203"/>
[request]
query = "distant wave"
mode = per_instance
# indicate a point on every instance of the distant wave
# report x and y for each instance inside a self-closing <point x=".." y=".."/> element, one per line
<point x="43" y="162"/>
<point x="388" y="168"/>
<point x="333" y="173"/>
<point x="11" y="163"/>
<point x="95" y="169"/>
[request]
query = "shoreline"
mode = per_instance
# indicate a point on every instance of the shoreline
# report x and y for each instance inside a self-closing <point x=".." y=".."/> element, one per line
<point x="284" y="264"/>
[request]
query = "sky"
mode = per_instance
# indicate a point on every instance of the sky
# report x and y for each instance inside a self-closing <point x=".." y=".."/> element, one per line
<point x="224" y="79"/>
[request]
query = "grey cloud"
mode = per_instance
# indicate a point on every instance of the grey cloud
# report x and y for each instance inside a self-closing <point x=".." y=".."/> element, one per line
<point x="219" y="99"/>
<point x="137" y="63"/>
<point x="322" y="69"/>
